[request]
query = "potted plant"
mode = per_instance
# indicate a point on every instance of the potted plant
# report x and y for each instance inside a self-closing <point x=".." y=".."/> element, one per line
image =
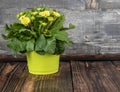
<point x="41" y="35"/>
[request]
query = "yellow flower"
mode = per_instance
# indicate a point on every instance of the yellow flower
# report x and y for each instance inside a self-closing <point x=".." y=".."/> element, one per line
<point x="45" y="13"/>
<point x="56" y="14"/>
<point x="50" y="19"/>
<point x="34" y="13"/>
<point x="24" y="20"/>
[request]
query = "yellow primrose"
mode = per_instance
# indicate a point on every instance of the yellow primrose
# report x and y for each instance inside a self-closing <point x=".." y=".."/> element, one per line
<point x="44" y="13"/>
<point x="24" y="20"/>
<point x="50" y="19"/>
<point x="56" y="14"/>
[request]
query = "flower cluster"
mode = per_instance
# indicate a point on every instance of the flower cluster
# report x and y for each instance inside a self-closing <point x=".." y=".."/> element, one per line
<point x="43" y="16"/>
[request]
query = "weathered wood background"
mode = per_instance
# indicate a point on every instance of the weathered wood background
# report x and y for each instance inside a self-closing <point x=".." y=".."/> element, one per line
<point x="97" y="22"/>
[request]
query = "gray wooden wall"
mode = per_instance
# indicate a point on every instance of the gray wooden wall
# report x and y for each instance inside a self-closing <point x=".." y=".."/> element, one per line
<point x="97" y="22"/>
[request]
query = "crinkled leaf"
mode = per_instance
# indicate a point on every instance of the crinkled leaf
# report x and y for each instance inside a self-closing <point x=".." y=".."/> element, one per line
<point x="5" y="37"/>
<point x="21" y="34"/>
<point x="17" y="26"/>
<point x="7" y="28"/>
<point x="32" y="33"/>
<point x="26" y="34"/>
<point x="36" y="25"/>
<point x="61" y="35"/>
<point x="30" y="45"/>
<point x="58" y="24"/>
<point x="60" y="47"/>
<point x="50" y="47"/>
<point x="17" y="45"/>
<point x="40" y="43"/>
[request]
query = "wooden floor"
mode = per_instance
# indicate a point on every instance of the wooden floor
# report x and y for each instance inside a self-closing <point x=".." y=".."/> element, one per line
<point x="73" y="76"/>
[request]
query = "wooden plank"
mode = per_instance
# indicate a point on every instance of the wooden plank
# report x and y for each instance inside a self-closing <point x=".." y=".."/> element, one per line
<point x="10" y="76"/>
<point x="2" y="65"/>
<point x="109" y="76"/>
<point x="18" y="80"/>
<point x="96" y="77"/>
<point x="116" y="64"/>
<point x="79" y="77"/>
<point x="113" y="76"/>
<point x="85" y="79"/>
<point x="28" y="85"/>
<point x="74" y="57"/>
<point x="6" y="68"/>
<point x="59" y="82"/>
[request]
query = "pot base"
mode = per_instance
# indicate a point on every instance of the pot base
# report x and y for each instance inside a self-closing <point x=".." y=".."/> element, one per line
<point x="43" y="72"/>
<point x="42" y="64"/>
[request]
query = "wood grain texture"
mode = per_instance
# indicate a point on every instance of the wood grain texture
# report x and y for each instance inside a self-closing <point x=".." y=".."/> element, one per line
<point x="96" y="77"/>
<point x="116" y="64"/>
<point x="78" y="76"/>
<point x="11" y="76"/>
<point x="15" y="78"/>
<point x="59" y="82"/>
<point x="110" y="76"/>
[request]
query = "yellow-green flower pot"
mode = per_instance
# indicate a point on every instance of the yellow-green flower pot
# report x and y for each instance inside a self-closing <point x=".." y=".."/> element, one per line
<point x="42" y="64"/>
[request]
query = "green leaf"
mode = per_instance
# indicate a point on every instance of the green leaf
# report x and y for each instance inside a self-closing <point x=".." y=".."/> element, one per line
<point x="5" y="37"/>
<point x="71" y="26"/>
<point x="36" y="25"/>
<point x="50" y="47"/>
<point x="40" y="43"/>
<point x="61" y="35"/>
<point x="26" y="34"/>
<point x="41" y="52"/>
<point x="60" y="47"/>
<point x="39" y="28"/>
<point x="17" y="45"/>
<point x="17" y="26"/>
<point x="30" y="45"/>
<point x="58" y="24"/>
<point x="7" y="28"/>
